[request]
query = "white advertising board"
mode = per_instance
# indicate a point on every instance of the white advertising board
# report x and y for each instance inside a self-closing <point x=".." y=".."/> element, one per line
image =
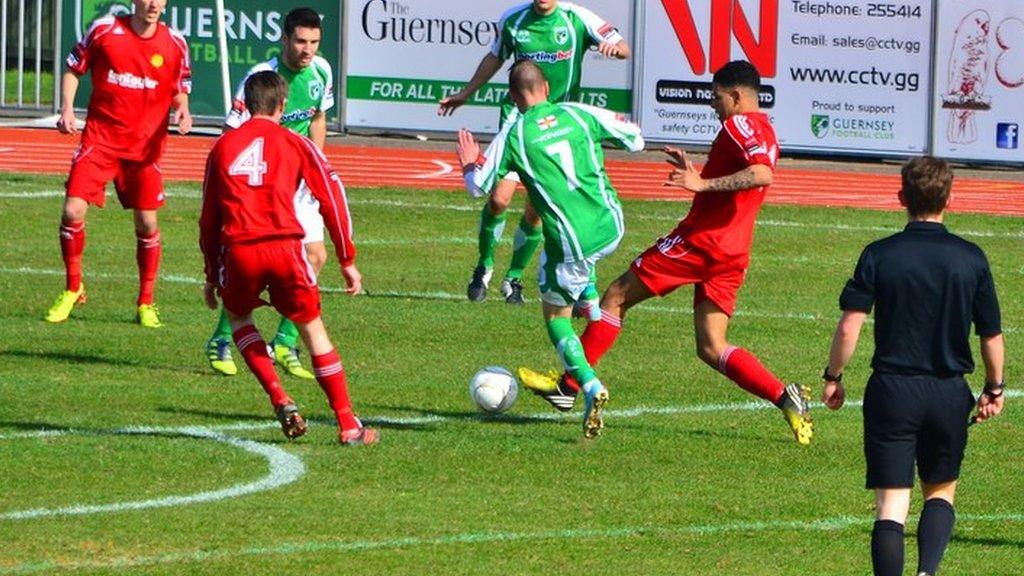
<point x="403" y="56"/>
<point x="847" y="76"/>
<point x="979" y="80"/>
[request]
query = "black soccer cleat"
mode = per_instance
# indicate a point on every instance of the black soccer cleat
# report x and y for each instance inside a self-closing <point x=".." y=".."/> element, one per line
<point x="515" y="292"/>
<point x="477" y="289"/>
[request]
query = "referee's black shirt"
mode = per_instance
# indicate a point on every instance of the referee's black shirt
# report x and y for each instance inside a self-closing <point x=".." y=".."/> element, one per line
<point x="927" y="286"/>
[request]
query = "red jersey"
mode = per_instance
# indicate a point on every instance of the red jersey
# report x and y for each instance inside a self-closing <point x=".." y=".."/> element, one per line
<point x="722" y="223"/>
<point x="134" y="80"/>
<point x="252" y="174"/>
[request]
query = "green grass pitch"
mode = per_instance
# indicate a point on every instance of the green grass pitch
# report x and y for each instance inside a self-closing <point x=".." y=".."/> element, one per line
<point x="691" y="476"/>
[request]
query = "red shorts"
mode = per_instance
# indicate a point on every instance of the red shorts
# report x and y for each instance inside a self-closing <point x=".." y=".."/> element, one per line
<point x="672" y="262"/>
<point x="139" y="185"/>
<point x="280" y="267"/>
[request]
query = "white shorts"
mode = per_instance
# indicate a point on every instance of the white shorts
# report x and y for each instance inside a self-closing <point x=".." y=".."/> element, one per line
<point x="562" y="283"/>
<point x="307" y="210"/>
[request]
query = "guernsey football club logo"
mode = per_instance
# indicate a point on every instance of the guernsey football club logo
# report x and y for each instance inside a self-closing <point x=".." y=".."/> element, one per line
<point x="820" y="124"/>
<point x="88" y="10"/>
<point x="316" y="90"/>
<point x="561" y="34"/>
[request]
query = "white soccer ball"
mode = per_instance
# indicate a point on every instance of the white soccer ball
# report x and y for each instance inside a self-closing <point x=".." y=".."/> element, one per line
<point x="493" y="389"/>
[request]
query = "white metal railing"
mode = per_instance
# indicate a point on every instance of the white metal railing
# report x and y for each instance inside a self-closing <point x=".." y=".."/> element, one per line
<point x="28" y="39"/>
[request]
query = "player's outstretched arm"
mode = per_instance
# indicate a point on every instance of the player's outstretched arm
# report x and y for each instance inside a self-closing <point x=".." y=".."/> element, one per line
<point x="990" y="403"/>
<point x="488" y="67"/>
<point x="685" y="175"/>
<point x="67" y="123"/>
<point x="182" y="115"/>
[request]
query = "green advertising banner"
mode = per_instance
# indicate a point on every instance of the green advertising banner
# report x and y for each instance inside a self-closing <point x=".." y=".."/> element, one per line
<point x="254" y="29"/>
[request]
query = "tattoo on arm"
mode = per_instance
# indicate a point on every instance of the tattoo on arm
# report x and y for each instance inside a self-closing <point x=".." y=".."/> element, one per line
<point x="741" y="180"/>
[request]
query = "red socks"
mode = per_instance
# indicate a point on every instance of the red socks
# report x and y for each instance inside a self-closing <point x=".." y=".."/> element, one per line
<point x="331" y="376"/>
<point x="72" y="244"/>
<point x="147" y="255"/>
<point x="597" y="339"/>
<point x="746" y="370"/>
<point x="254" y="350"/>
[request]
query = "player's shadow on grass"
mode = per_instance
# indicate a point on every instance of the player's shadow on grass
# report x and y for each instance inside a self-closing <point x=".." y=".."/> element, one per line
<point x="1001" y="542"/>
<point x="439" y="416"/>
<point x="315" y="418"/>
<point x="233" y="416"/>
<point x="77" y="358"/>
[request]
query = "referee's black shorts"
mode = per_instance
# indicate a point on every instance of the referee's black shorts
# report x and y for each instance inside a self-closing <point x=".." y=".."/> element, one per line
<point x="908" y="418"/>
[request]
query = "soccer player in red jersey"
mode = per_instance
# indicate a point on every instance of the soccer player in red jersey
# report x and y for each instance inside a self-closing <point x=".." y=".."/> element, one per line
<point x="139" y="69"/>
<point x="252" y="240"/>
<point x="710" y="249"/>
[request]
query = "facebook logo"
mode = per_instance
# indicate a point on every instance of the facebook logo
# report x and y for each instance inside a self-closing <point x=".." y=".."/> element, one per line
<point x="1007" y="135"/>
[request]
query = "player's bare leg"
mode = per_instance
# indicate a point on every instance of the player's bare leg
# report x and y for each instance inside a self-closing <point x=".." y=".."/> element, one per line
<point x="331" y="376"/>
<point x="254" y="350"/>
<point x="147" y="256"/>
<point x="711" y="324"/>
<point x="72" y="245"/>
<point x="285" y="345"/>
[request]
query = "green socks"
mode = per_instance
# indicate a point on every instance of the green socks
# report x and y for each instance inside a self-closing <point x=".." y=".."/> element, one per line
<point x="570" y="351"/>
<point x="223" y="329"/>
<point x="287" y="333"/>
<point x="526" y="242"/>
<point x="491" y="229"/>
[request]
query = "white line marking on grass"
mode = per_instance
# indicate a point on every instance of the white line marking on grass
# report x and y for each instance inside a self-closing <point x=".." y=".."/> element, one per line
<point x="284" y="468"/>
<point x="834" y="524"/>
<point x="452" y="297"/>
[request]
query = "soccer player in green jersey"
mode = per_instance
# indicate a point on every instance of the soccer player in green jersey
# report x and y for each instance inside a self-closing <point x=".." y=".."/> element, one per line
<point x="310" y="96"/>
<point x="555" y="35"/>
<point x="555" y="149"/>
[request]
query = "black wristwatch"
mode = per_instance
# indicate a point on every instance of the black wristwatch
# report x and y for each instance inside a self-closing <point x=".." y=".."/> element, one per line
<point x="830" y="378"/>
<point x="994" y="390"/>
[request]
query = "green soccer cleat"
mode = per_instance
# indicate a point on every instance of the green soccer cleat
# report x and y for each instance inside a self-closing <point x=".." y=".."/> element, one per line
<point x="218" y="352"/>
<point x="148" y="316"/>
<point x="797" y="412"/>
<point x="62" y="307"/>
<point x="288" y="357"/>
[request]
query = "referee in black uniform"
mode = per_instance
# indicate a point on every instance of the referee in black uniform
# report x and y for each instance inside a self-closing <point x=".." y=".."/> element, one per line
<point x="927" y="286"/>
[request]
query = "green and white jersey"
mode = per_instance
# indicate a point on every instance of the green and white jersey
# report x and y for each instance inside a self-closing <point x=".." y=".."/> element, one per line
<point x="310" y="90"/>
<point x="556" y="151"/>
<point x="556" y="42"/>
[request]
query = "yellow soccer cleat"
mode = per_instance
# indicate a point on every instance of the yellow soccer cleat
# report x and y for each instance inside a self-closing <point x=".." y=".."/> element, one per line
<point x="539" y="383"/>
<point x="797" y="412"/>
<point x="148" y="316"/>
<point x="288" y="357"/>
<point x="62" y="307"/>
<point x="218" y="352"/>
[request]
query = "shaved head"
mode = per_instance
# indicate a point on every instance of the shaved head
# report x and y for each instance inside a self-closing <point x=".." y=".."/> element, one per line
<point x="525" y="77"/>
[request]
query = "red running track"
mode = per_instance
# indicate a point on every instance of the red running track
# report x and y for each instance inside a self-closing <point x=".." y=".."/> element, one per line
<point x="42" y="151"/>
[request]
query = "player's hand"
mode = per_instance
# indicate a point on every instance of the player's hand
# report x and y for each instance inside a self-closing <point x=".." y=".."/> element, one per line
<point x="183" y="118"/>
<point x="989" y="407"/>
<point x="833" y="395"/>
<point x="67" y="123"/>
<point x="467" y="148"/>
<point x="353" y="279"/>
<point x="210" y="294"/>
<point x="608" y="50"/>
<point x="684" y="173"/>
<point x="449" y="104"/>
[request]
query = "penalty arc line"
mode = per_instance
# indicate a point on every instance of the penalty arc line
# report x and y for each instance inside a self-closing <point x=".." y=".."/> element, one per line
<point x="284" y="468"/>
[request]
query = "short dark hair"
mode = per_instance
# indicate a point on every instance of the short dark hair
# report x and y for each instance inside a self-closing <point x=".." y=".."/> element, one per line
<point x="301" y="17"/>
<point x="264" y="92"/>
<point x="525" y="76"/>
<point x="736" y="74"/>
<point x="927" y="181"/>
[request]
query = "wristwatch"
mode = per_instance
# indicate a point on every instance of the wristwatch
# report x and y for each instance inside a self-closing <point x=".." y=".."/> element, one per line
<point x="830" y="378"/>
<point x="994" y="389"/>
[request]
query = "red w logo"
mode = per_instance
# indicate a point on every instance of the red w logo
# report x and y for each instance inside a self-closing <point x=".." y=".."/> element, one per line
<point x="728" y="20"/>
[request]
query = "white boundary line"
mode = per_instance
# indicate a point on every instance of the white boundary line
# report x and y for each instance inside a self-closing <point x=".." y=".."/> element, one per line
<point x="284" y="468"/>
<point x="766" y="223"/>
<point x="834" y="524"/>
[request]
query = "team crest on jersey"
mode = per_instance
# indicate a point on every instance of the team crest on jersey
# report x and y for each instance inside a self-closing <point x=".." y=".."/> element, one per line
<point x="157" y="60"/>
<point x="522" y="35"/>
<point x="561" y="34"/>
<point x="316" y="89"/>
<point x="547" y="122"/>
